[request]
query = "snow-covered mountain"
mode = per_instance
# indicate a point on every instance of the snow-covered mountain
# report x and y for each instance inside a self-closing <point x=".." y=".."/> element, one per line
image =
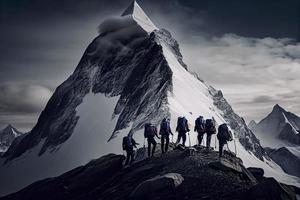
<point x="279" y="133"/>
<point x="130" y="74"/>
<point x="280" y="128"/>
<point x="7" y="136"/>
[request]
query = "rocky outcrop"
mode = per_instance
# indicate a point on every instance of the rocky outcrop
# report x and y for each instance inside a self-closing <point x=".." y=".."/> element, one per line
<point x="167" y="176"/>
<point x="164" y="183"/>
<point x="258" y="173"/>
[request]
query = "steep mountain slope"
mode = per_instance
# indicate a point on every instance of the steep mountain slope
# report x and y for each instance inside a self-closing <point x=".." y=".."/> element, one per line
<point x="130" y="74"/>
<point x="288" y="161"/>
<point x="7" y="136"/>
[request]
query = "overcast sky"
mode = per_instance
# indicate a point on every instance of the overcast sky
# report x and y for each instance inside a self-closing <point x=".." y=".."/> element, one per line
<point x="249" y="49"/>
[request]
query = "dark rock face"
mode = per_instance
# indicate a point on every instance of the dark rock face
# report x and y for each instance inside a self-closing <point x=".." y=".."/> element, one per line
<point x="286" y="160"/>
<point x="139" y="74"/>
<point x="268" y="188"/>
<point x="287" y="133"/>
<point x="166" y="183"/>
<point x="258" y="173"/>
<point x="245" y="135"/>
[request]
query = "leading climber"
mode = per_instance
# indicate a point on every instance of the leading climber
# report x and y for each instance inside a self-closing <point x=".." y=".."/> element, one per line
<point x="224" y="135"/>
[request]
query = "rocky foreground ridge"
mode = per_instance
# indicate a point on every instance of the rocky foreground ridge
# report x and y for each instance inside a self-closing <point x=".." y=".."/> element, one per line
<point x="191" y="173"/>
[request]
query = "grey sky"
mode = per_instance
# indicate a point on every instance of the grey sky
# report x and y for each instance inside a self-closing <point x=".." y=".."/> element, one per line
<point x="244" y="49"/>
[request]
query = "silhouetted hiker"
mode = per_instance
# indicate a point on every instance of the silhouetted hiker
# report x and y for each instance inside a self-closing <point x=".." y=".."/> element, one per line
<point x="128" y="145"/>
<point x="165" y="131"/>
<point x="210" y="129"/>
<point x="224" y="135"/>
<point x="149" y="133"/>
<point x="200" y="128"/>
<point x="182" y="128"/>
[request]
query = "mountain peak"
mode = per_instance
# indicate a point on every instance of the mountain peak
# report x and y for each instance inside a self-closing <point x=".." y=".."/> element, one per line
<point x="8" y="127"/>
<point x="278" y="107"/>
<point x="139" y="16"/>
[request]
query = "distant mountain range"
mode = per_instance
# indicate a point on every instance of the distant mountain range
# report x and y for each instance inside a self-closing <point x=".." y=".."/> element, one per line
<point x="279" y="134"/>
<point x="7" y="136"/>
<point x="280" y="128"/>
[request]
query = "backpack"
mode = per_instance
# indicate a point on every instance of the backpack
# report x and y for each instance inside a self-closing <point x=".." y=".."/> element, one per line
<point x="200" y="124"/>
<point x="126" y="142"/>
<point x="210" y="126"/>
<point x="181" y="124"/>
<point x="224" y="133"/>
<point x="164" y="127"/>
<point x="150" y="130"/>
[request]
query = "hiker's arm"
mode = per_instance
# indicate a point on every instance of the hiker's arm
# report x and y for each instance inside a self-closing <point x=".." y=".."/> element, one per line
<point x="157" y="135"/>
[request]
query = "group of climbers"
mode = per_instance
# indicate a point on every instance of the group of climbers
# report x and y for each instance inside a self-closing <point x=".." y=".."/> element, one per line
<point x="202" y="127"/>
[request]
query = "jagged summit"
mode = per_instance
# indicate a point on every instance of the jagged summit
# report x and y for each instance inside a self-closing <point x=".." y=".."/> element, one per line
<point x="7" y="136"/>
<point x="139" y="16"/>
<point x="278" y="108"/>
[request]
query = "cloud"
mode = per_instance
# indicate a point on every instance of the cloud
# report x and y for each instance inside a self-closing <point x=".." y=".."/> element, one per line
<point x="254" y="73"/>
<point x="23" y="98"/>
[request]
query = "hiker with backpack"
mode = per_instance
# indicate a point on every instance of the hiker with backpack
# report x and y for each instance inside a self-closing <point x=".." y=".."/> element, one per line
<point x="150" y="132"/>
<point x="224" y="135"/>
<point x="128" y="144"/>
<point x="210" y="129"/>
<point x="200" y="128"/>
<point x="182" y="128"/>
<point x="165" y="131"/>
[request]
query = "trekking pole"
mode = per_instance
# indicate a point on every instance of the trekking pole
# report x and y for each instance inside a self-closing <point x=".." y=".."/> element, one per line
<point x="215" y="142"/>
<point x="235" y="148"/>
<point x="228" y="147"/>
<point x="189" y="139"/>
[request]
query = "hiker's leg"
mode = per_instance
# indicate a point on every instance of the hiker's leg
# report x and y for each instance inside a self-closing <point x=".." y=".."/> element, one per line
<point x="208" y="138"/>
<point x="132" y="157"/>
<point x="149" y="147"/>
<point x="178" y="138"/>
<point x="220" y="149"/>
<point x="200" y="138"/>
<point x="167" y="143"/>
<point x="154" y="146"/>
<point x="183" y="138"/>
<point x="127" y="157"/>
<point x="162" y="144"/>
